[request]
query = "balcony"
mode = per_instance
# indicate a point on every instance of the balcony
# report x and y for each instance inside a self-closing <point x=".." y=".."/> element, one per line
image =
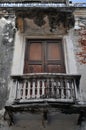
<point x="45" y="88"/>
<point x="43" y="93"/>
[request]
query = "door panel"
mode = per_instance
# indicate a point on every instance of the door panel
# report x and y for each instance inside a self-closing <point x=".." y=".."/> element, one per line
<point x="44" y="56"/>
<point x="35" y="69"/>
<point x="53" y="51"/>
<point x="35" y="51"/>
<point x="54" y="60"/>
<point x="55" y="69"/>
<point x="33" y="57"/>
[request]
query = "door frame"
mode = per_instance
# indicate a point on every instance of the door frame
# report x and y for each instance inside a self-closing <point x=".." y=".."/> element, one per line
<point x="19" y="52"/>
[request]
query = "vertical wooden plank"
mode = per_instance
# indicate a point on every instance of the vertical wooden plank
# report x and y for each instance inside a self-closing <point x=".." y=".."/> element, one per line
<point x="54" y="57"/>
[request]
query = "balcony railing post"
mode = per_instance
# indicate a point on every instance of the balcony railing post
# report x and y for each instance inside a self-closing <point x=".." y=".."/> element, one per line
<point x="28" y="93"/>
<point x="68" y="89"/>
<point x="43" y="87"/>
<point x="62" y="88"/>
<point x="13" y="91"/>
<point x="47" y="88"/>
<point x="19" y="87"/>
<point x="24" y="88"/>
<point x="15" y="85"/>
<point x="33" y="89"/>
<point x="57" y="87"/>
<point x="70" y="86"/>
<point x="76" y="85"/>
<point x="52" y="88"/>
<point x="38" y="88"/>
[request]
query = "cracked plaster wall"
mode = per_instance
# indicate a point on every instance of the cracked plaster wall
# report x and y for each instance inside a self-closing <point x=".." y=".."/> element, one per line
<point x="78" y="36"/>
<point x="6" y="55"/>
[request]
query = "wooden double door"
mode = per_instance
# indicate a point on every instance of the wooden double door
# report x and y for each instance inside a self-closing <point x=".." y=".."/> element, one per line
<point x="44" y="56"/>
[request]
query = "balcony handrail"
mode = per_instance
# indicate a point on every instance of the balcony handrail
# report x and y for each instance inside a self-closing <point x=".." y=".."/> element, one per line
<point x="45" y="75"/>
<point x="46" y="86"/>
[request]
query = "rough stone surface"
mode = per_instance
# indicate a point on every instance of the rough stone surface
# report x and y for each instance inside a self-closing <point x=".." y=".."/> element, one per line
<point x="6" y="54"/>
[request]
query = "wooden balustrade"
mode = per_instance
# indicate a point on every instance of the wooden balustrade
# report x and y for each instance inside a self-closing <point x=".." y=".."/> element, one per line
<point x="46" y="86"/>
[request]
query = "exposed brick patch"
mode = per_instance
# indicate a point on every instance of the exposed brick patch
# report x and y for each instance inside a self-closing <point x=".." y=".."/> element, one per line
<point x="82" y="47"/>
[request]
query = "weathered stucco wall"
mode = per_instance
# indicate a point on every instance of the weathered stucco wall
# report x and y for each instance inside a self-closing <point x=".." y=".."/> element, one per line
<point x="24" y="120"/>
<point x="79" y="41"/>
<point x="6" y="55"/>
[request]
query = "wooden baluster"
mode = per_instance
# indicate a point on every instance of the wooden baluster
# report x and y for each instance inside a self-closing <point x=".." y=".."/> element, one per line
<point x="38" y="88"/>
<point x="73" y="89"/>
<point x="68" y="89"/>
<point x="13" y="90"/>
<point x="76" y="90"/>
<point x="29" y="86"/>
<point x="43" y="88"/>
<point x="49" y="85"/>
<point x="52" y="87"/>
<point x="24" y="88"/>
<point x="33" y="89"/>
<point x="70" y="86"/>
<point x="62" y="89"/>
<point x="57" y="89"/>
<point x="47" y="89"/>
<point x="19" y="90"/>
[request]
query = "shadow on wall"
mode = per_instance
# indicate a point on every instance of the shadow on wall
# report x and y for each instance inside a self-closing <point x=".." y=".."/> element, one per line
<point x="55" y="121"/>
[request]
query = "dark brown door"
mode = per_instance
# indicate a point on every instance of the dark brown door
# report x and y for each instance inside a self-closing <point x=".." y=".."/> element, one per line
<point x="44" y="56"/>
